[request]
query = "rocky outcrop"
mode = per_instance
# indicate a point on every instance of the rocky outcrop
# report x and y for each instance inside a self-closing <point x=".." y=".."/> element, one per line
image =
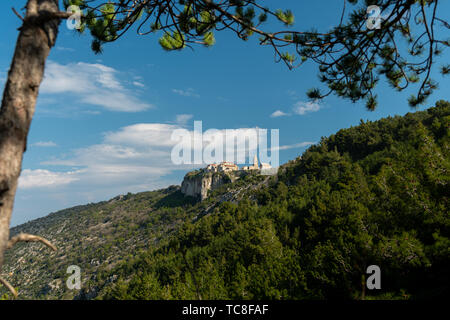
<point x="198" y="183"/>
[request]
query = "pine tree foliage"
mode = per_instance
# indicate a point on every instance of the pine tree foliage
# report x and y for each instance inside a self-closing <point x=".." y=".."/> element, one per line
<point x="352" y="57"/>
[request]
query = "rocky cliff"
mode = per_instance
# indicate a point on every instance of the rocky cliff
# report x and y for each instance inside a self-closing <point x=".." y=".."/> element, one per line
<point x="198" y="183"/>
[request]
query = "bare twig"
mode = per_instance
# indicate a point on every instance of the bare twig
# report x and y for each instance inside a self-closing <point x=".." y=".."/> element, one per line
<point x="17" y="14"/>
<point x="24" y="237"/>
<point x="9" y="287"/>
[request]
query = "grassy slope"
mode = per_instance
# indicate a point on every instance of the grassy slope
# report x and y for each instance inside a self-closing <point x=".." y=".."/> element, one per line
<point x="98" y="236"/>
<point x="95" y="237"/>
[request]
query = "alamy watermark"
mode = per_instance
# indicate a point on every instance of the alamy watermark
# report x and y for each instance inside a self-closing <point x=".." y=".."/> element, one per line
<point x="215" y="146"/>
<point x="74" y="21"/>
<point x="373" y="20"/>
<point x="74" y="280"/>
<point x="374" y="281"/>
<point x="374" y="17"/>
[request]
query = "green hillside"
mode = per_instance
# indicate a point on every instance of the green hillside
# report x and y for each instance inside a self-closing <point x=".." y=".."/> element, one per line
<point x="94" y="237"/>
<point x="98" y="236"/>
<point x="372" y="194"/>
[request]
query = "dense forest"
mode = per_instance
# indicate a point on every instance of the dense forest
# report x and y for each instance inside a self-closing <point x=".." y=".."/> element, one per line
<point x="376" y="194"/>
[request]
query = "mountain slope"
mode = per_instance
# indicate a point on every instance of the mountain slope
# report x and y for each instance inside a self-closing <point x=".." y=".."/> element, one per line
<point x="375" y="194"/>
<point x="372" y="194"/>
<point x="98" y="236"/>
<point x="95" y="237"/>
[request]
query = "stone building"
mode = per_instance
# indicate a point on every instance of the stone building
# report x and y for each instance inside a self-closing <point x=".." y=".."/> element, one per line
<point x="255" y="165"/>
<point x="228" y="166"/>
<point x="222" y="167"/>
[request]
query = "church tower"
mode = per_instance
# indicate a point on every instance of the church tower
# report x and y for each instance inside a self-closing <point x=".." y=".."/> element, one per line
<point x="255" y="162"/>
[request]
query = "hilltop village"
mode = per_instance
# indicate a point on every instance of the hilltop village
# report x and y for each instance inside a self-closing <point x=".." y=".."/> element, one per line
<point x="198" y="183"/>
<point x="229" y="166"/>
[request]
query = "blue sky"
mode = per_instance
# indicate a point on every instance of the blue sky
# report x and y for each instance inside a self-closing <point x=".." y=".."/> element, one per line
<point x="102" y="122"/>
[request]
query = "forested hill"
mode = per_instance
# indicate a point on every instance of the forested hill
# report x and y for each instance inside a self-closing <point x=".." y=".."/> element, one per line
<point x="375" y="194"/>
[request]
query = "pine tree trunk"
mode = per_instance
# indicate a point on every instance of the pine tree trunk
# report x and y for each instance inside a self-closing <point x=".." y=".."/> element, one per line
<point x="37" y="36"/>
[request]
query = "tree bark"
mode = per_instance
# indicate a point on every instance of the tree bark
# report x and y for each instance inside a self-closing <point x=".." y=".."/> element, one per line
<point x="37" y="36"/>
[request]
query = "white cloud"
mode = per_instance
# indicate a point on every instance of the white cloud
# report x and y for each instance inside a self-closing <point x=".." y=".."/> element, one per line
<point x="131" y="159"/>
<point x="93" y="84"/>
<point x="45" y="178"/>
<point x="143" y="134"/>
<point x="278" y="113"/>
<point x="300" y="108"/>
<point x="139" y="154"/>
<point x="296" y="145"/>
<point x="186" y="93"/>
<point x="44" y="144"/>
<point x="183" y="118"/>
<point x="64" y="49"/>
<point x="135" y="157"/>
<point x="138" y="84"/>
<point x="303" y="108"/>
